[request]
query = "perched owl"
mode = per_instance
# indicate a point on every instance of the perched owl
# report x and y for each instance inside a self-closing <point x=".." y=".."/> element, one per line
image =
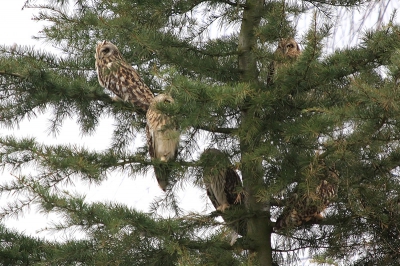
<point x="162" y="139"/>
<point x="288" y="50"/>
<point x="116" y="75"/>
<point x="222" y="184"/>
<point x="302" y="209"/>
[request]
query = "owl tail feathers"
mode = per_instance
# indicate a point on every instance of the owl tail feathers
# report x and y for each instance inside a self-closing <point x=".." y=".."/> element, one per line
<point x="162" y="172"/>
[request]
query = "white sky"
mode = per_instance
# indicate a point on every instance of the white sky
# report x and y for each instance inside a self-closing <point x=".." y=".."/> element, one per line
<point x="136" y="192"/>
<point x="17" y="27"/>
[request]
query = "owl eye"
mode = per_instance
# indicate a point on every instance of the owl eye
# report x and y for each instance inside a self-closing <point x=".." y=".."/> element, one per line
<point x="290" y="45"/>
<point x="106" y="50"/>
<point x="167" y="101"/>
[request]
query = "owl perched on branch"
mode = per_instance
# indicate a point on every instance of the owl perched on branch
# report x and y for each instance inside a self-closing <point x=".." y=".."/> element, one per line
<point x="162" y="139"/>
<point x="307" y="208"/>
<point x="116" y="75"/>
<point x="223" y="187"/>
<point x="288" y="51"/>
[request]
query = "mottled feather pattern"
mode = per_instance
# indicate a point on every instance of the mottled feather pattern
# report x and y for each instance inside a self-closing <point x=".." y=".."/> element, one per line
<point x="222" y="183"/>
<point x="287" y="51"/>
<point x="162" y="139"/>
<point x="216" y="188"/>
<point x="308" y="208"/>
<point x="116" y="75"/>
<point x="288" y="48"/>
<point x="221" y="179"/>
<point x="327" y="190"/>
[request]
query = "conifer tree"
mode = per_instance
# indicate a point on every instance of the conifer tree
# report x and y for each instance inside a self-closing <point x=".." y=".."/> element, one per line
<point x="323" y="113"/>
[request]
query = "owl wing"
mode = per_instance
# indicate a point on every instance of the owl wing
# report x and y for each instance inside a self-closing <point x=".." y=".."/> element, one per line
<point x="221" y="180"/>
<point x="211" y="196"/>
<point x="215" y="185"/>
<point x="160" y="172"/>
<point x="162" y="136"/>
<point x="232" y="181"/>
<point x="163" y="142"/>
<point x="326" y="191"/>
<point x="221" y="186"/>
<point x="134" y="89"/>
<point x="150" y="141"/>
<point x="123" y="80"/>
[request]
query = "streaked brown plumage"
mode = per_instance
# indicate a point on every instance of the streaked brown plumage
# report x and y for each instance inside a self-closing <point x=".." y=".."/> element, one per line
<point x="302" y="209"/>
<point x="116" y="75"/>
<point x="288" y="50"/>
<point x="162" y="139"/>
<point x="223" y="187"/>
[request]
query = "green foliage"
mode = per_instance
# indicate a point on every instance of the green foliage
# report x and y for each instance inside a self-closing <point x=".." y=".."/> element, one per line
<point x="340" y="108"/>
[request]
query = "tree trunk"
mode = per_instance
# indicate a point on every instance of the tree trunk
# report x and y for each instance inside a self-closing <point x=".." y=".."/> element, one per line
<point x="259" y="226"/>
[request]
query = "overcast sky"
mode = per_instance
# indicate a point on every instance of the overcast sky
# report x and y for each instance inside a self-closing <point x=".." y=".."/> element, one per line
<point x="18" y="28"/>
<point x="136" y="192"/>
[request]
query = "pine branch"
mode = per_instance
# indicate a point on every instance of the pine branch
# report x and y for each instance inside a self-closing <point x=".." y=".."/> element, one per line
<point x="11" y="74"/>
<point x="216" y="130"/>
<point x="340" y="3"/>
<point x="235" y="4"/>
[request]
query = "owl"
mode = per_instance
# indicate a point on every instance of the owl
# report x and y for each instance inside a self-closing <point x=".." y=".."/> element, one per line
<point x="116" y="75"/>
<point x="162" y="139"/>
<point x="222" y="184"/>
<point x="288" y="51"/>
<point x="302" y="209"/>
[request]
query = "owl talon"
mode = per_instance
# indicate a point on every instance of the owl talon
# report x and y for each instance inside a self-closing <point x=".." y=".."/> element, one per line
<point x="238" y="199"/>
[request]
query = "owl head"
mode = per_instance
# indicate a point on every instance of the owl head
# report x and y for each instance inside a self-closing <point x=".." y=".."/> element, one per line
<point x="106" y="51"/>
<point x="161" y="98"/>
<point x="288" y="48"/>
